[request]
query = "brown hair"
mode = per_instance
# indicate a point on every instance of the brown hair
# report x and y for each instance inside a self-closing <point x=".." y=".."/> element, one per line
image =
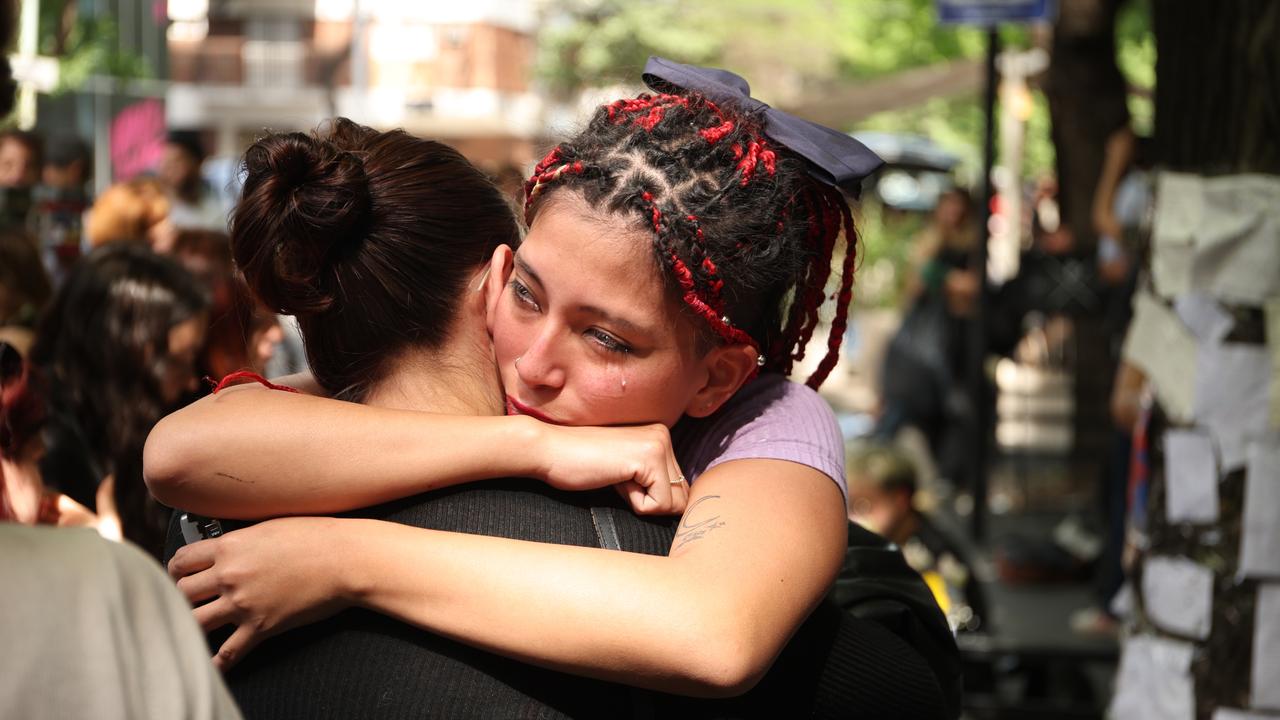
<point x="368" y="238"/>
<point x="126" y="212"/>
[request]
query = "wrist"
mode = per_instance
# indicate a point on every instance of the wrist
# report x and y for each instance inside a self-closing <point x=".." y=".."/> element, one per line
<point x="526" y="446"/>
<point x="352" y="571"/>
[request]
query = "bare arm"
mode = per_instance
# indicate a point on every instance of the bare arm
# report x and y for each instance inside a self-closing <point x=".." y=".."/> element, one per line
<point x="1118" y="156"/>
<point x="252" y="453"/>
<point x="757" y="548"/>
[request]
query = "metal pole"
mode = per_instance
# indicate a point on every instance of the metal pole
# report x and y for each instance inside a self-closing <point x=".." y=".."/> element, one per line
<point x="978" y="327"/>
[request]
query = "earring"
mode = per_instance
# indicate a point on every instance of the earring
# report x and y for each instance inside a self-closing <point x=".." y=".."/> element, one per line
<point x="624" y="383"/>
<point x="517" y="361"/>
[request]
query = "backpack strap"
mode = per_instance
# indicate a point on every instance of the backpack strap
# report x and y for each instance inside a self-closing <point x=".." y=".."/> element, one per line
<point x="606" y="527"/>
<point x="642" y="707"/>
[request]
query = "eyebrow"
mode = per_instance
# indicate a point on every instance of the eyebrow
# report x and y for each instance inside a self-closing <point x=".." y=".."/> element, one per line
<point x="623" y="324"/>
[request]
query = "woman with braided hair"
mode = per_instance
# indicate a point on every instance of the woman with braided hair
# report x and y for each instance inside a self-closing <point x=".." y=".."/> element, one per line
<point x="677" y="257"/>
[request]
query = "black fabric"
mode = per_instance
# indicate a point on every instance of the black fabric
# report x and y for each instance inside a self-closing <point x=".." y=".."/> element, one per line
<point x="68" y="465"/>
<point x="876" y="584"/>
<point x="872" y="661"/>
<point x="835" y="158"/>
<point x="363" y="665"/>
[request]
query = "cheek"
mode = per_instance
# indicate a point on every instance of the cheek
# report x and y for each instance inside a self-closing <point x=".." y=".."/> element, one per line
<point x="650" y="392"/>
<point x="510" y="338"/>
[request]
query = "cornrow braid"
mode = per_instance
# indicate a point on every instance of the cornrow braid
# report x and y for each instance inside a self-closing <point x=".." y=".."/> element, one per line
<point x="737" y="221"/>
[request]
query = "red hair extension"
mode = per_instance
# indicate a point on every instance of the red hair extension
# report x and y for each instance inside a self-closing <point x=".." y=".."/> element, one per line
<point x="548" y="160"/>
<point x="714" y="282"/>
<point x="684" y="276"/>
<point x="653" y="118"/>
<point x="843" y="300"/>
<point x="235" y="378"/>
<point x="653" y="209"/>
<point x="757" y="153"/>
<point x="828" y="220"/>
<point x="715" y="134"/>
<point x="539" y="178"/>
<point x="780" y="354"/>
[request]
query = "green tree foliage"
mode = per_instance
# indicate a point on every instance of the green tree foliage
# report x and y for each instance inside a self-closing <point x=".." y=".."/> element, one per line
<point x="85" y="46"/>
<point x="780" y="45"/>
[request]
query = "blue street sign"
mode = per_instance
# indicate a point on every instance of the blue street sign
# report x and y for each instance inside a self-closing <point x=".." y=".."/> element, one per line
<point x="992" y="12"/>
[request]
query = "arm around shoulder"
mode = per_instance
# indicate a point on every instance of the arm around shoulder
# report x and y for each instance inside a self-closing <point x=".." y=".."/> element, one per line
<point x="252" y="453"/>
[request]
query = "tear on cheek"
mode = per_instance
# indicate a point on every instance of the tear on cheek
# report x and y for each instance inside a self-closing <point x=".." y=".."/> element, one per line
<point x="611" y="381"/>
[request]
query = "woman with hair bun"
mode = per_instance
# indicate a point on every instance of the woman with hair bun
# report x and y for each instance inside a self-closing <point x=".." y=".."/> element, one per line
<point x="677" y="258"/>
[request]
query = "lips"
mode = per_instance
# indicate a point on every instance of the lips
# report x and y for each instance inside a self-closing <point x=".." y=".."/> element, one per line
<point x="515" y="407"/>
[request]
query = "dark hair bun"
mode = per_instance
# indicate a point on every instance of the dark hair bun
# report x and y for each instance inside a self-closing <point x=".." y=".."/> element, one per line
<point x="304" y="206"/>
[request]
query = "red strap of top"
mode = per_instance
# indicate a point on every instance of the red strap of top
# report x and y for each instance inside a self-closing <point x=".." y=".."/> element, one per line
<point x="236" y="377"/>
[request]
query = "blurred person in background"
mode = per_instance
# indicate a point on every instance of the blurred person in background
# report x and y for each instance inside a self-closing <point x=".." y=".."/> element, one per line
<point x="193" y="203"/>
<point x="243" y="333"/>
<point x="925" y="368"/>
<point x="136" y="211"/>
<point x="23" y="495"/>
<point x="1122" y="209"/>
<point x="119" y="346"/>
<point x="21" y="155"/>
<point x="92" y="629"/>
<point x="24" y="288"/>
<point x="882" y="498"/>
<point x="61" y="201"/>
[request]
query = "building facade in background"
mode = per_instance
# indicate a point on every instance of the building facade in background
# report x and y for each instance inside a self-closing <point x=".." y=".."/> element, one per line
<point x="456" y="72"/>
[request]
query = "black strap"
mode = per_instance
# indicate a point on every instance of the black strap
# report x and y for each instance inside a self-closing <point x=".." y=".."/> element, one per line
<point x="606" y="528"/>
<point x="607" y="533"/>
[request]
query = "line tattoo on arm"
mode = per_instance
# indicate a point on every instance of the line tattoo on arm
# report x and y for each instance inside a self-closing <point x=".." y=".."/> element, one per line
<point x="233" y="477"/>
<point x="692" y="528"/>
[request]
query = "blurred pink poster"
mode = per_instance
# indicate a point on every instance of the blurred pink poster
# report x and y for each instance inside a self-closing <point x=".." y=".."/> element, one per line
<point x="137" y="139"/>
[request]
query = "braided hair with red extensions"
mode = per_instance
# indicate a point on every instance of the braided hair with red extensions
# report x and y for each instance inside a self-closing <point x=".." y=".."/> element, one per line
<point x="746" y="236"/>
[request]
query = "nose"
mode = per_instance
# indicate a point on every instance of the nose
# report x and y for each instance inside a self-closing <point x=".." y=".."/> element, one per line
<point x="539" y="367"/>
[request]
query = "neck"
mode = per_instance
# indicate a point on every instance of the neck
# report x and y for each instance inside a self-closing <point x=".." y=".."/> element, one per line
<point x="459" y="379"/>
<point x="22" y="489"/>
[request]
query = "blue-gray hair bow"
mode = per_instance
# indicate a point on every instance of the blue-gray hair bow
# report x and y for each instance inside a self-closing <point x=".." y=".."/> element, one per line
<point x="834" y="158"/>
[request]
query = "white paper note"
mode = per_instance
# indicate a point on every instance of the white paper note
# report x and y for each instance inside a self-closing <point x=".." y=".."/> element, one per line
<point x="1191" y="475"/>
<point x="1217" y="235"/>
<point x="1179" y="208"/>
<point x="1232" y="397"/>
<point x="1178" y="595"/>
<point x="1266" y="648"/>
<point x="1203" y="316"/>
<point x="1236" y="249"/>
<point x="1273" y="344"/>
<point x="1171" y="268"/>
<point x="1154" y="680"/>
<point x="1159" y="344"/>
<point x="1260" y="537"/>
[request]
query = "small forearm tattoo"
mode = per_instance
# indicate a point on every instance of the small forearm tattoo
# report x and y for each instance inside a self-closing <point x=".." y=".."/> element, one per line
<point x="696" y="524"/>
<point x="229" y="476"/>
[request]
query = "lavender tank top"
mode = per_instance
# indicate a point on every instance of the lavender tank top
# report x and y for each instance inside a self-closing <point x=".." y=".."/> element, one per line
<point x="770" y="418"/>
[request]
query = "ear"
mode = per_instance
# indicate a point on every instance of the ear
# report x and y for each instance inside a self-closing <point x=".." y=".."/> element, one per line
<point x="495" y="282"/>
<point x="727" y="368"/>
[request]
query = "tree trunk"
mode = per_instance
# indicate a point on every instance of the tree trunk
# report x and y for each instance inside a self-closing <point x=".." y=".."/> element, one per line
<point x="1086" y="95"/>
